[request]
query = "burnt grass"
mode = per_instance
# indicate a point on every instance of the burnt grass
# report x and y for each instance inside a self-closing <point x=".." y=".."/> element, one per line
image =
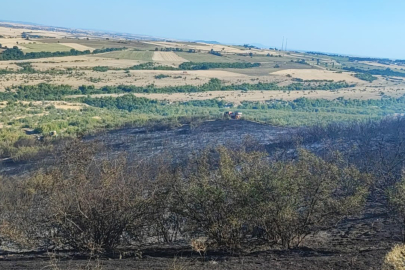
<point x="359" y="242"/>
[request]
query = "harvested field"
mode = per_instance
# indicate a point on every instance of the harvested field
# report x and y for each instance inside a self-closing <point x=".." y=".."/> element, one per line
<point x="45" y="47"/>
<point x="11" y="42"/>
<point x="165" y="57"/>
<point x="16" y="32"/>
<point x="11" y="32"/>
<point x="382" y="65"/>
<point x="82" y="61"/>
<point x="130" y="55"/>
<point x="77" y="46"/>
<point x="113" y="77"/>
<point x="316" y="74"/>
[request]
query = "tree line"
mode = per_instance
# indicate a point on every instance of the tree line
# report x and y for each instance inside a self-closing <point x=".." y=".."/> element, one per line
<point x="16" y="53"/>
<point x="44" y="91"/>
<point x="382" y="72"/>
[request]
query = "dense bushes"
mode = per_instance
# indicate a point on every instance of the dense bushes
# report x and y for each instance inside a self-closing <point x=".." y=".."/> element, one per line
<point x="209" y="65"/>
<point x="101" y="69"/>
<point x="151" y="66"/>
<point x="126" y="102"/>
<point x="365" y="77"/>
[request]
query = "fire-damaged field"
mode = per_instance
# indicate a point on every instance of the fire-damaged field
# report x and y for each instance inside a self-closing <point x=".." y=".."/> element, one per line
<point x="177" y="142"/>
<point x="180" y="141"/>
<point x="358" y="242"/>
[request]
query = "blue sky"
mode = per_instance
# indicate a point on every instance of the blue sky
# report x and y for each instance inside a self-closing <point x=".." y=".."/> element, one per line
<point x="356" y="27"/>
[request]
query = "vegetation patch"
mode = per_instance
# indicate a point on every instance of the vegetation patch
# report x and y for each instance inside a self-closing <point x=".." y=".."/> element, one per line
<point x="365" y="77"/>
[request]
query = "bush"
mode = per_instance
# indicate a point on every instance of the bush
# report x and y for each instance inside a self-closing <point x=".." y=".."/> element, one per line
<point x="161" y="76"/>
<point x="101" y="69"/>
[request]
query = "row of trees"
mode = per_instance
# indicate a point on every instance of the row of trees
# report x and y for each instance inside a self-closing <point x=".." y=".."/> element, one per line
<point x="45" y="91"/>
<point x="211" y="65"/>
<point x="346" y="106"/>
<point x="194" y="66"/>
<point x="17" y="54"/>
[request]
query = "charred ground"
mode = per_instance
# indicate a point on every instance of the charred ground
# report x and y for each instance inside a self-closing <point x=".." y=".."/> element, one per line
<point x="358" y="242"/>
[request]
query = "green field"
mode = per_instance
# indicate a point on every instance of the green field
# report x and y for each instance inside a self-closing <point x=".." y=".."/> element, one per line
<point x="45" y="47"/>
<point x="131" y="55"/>
<point x="205" y="57"/>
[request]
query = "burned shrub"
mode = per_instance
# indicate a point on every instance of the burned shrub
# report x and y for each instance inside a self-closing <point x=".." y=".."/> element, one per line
<point x="293" y="199"/>
<point x="234" y="196"/>
<point x="230" y="197"/>
<point x="86" y="203"/>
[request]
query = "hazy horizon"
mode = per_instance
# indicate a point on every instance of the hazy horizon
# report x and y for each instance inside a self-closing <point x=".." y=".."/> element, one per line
<point x="362" y="28"/>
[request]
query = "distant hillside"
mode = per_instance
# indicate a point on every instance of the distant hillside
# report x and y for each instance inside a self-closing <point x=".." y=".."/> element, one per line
<point x="209" y="42"/>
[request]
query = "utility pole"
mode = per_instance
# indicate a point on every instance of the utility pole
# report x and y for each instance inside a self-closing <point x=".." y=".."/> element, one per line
<point x="282" y="44"/>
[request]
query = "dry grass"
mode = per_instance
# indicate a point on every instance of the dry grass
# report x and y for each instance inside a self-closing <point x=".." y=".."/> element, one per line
<point x="395" y="260"/>
<point x="11" y="42"/>
<point x="130" y="55"/>
<point x="45" y="47"/>
<point x="200" y="245"/>
<point x="168" y="57"/>
<point x="317" y="74"/>
<point x="16" y="32"/>
<point x="116" y="77"/>
<point x="77" y="46"/>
